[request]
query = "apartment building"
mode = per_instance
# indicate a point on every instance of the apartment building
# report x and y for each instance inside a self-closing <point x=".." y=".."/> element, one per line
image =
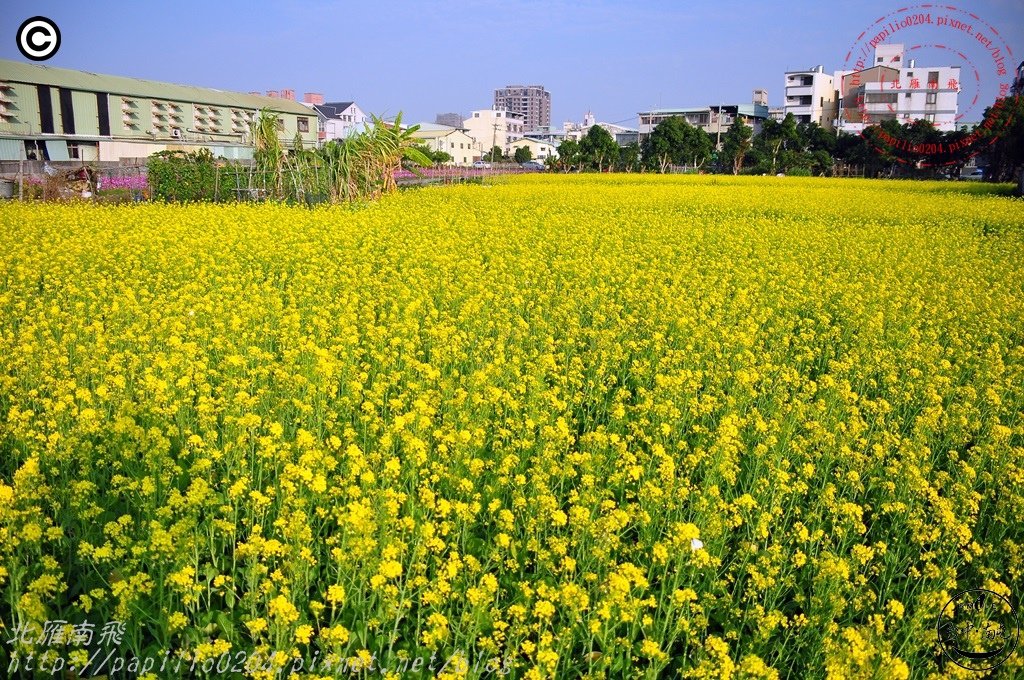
<point x="450" y="119"/>
<point x="895" y="89"/>
<point x="810" y="96"/>
<point x="714" y="119"/>
<point x="532" y="103"/>
<point x="494" y="127"/>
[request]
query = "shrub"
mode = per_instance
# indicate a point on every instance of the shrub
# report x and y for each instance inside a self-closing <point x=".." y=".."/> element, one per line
<point x="183" y="176"/>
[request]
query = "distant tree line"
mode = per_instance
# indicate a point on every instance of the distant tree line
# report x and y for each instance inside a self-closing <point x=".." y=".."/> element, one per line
<point x="887" y="149"/>
<point x="597" y="150"/>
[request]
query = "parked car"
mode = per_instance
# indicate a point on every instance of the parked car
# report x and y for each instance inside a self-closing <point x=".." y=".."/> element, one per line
<point x="482" y="165"/>
<point x="532" y="165"/>
<point x="974" y="174"/>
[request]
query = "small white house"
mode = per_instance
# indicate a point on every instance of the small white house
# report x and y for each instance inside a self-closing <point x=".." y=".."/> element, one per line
<point x="453" y="141"/>
<point x="338" y="120"/>
<point x="539" y="149"/>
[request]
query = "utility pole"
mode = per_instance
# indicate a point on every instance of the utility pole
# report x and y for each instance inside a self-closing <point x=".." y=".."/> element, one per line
<point x="494" y="140"/>
<point x="718" y="142"/>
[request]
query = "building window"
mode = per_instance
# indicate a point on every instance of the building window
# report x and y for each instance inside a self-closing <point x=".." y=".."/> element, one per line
<point x="930" y="98"/>
<point x="73" y="151"/>
<point x="303" y="124"/>
<point x="280" y="124"/>
<point x="880" y="59"/>
<point x="933" y="77"/>
<point x="910" y="74"/>
<point x="930" y="117"/>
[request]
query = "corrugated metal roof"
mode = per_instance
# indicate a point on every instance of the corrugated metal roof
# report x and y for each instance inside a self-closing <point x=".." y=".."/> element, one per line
<point x="35" y="74"/>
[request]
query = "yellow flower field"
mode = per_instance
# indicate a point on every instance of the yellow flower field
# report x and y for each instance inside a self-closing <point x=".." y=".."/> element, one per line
<point x="586" y="426"/>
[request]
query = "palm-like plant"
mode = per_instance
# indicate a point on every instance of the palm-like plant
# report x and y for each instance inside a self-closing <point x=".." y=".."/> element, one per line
<point x="387" y="146"/>
<point x="360" y="166"/>
<point x="342" y="171"/>
<point x="268" y="153"/>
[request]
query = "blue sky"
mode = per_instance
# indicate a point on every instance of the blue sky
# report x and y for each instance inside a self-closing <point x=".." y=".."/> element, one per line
<point x="423" y="58"/>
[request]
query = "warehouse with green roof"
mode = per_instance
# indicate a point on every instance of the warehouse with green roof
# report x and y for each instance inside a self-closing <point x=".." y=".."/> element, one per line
<point x="55" y="114"/>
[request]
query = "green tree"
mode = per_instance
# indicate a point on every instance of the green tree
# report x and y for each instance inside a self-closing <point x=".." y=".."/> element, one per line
<point x="434" y="155"/>
<point x="629" y="158"/>
<point x="568" y="155"/>
<point x="664" y="146"/>
<point x="182" y="176"/>
<point x="814" y="138"/>
<point x="523" y="154"/>
<point x="383" y="148"/>
<point x="675" y="142"/>
<point x="1001" y="133"/>
<point x="598" y="148"/>
<point x="697" y="146"/>
<point x="822" y="162"/>
<point x="961" y="148"/>
<point x="494" y="155"/>
<point x="773" y="139"/>
<point x="736" y="144"/>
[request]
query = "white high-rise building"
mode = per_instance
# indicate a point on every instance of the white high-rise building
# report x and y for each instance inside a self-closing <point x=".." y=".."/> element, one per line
<point x="532" y="103"/>
<point x="810" y="96"/>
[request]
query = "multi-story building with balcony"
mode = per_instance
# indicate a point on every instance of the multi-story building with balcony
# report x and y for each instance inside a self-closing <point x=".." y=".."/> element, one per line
<point x="532" y="103"/>
<point x="810" y="96"/>
<point x="714" y="119"/>
<point x="892" y="89"/>
<point x="49" y="113"/>
<point x="450" y="119"/>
